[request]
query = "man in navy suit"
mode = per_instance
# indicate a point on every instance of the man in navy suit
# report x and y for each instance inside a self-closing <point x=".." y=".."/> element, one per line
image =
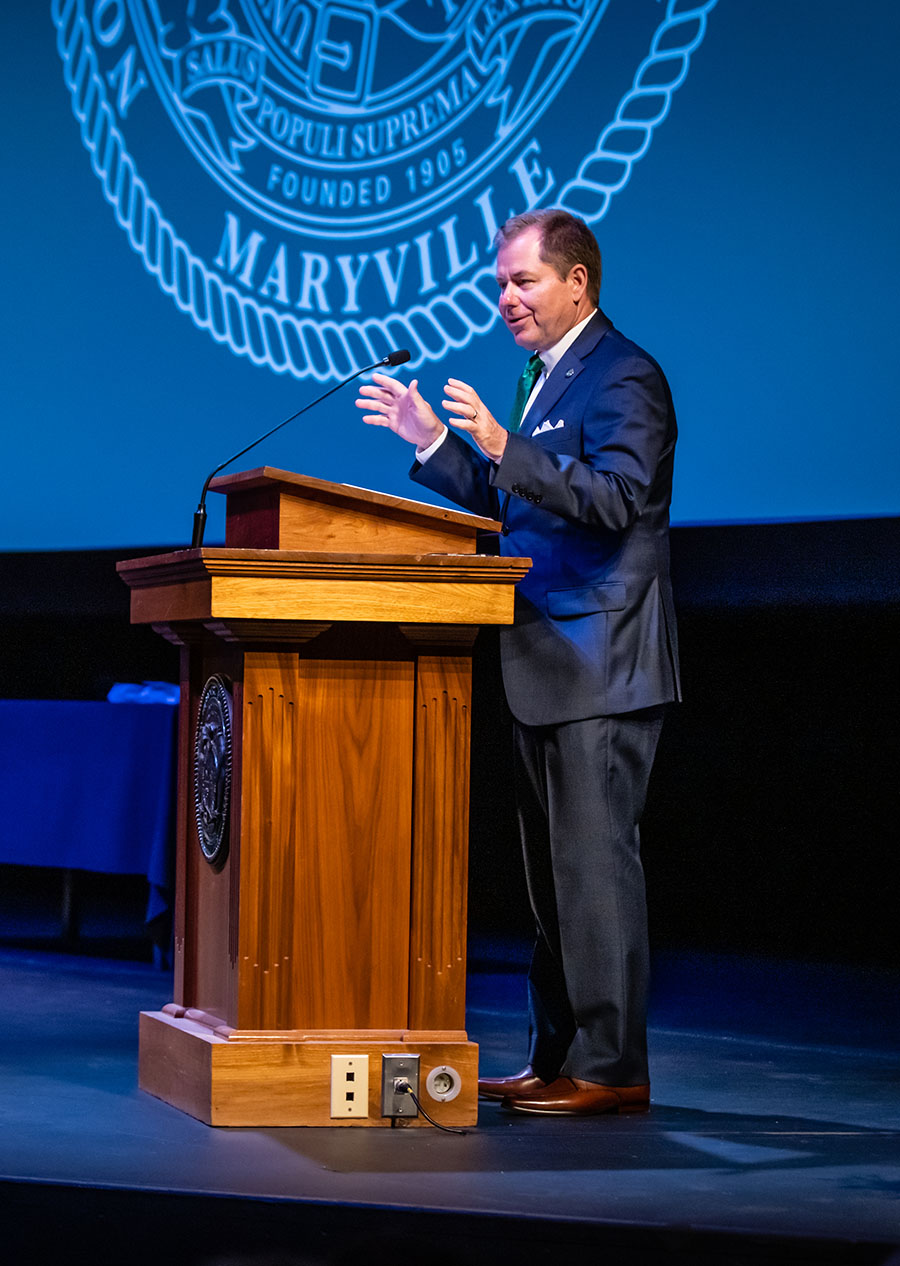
<point x="582" y="479"/>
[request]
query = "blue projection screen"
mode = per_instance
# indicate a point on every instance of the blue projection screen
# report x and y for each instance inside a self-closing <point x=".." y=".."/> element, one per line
<point x="215" y="209"/>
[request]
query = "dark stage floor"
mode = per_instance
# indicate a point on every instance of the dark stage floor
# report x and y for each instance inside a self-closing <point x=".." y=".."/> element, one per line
<point x="774" y="1137"/>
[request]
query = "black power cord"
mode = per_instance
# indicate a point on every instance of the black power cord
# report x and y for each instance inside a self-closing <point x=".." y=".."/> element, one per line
<point x="402" y="1087"/>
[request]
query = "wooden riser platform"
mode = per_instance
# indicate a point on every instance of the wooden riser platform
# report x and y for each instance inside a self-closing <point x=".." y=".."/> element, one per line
<point x="274" y="1079"/>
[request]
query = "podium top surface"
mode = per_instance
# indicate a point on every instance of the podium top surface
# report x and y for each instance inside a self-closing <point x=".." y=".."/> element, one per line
<point x="311" y="489"/>
<point x="221" y="560"/>
<point x="275" y="509"/>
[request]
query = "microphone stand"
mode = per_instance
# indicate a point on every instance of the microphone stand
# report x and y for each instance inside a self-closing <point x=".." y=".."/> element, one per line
<point x="392" y="359"/>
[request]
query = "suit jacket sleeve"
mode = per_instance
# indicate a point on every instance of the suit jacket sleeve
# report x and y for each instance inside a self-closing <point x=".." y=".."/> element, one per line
<point x="459" y="472"/>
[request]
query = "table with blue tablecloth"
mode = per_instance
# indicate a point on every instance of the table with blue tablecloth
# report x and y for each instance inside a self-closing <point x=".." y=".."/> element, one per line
<point x="90" y="786"/>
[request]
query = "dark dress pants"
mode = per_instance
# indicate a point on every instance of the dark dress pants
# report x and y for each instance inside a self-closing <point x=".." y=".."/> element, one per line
<point x="581" y="789"/>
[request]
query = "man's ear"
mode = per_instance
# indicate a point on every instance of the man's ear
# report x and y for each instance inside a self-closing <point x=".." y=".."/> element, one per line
<point x="577" y="278"/>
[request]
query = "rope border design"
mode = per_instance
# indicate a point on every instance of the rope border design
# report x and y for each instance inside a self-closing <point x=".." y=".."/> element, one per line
<point x="326" y="350"/>
<point x="587" y="194"/>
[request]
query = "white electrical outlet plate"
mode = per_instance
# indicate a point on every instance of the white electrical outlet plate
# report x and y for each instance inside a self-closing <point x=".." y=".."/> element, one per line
<point x="349" y="1085"/>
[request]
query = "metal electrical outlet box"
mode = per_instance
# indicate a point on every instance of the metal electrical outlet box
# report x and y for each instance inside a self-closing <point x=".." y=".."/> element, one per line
<point x="396" y="1068"/>
<point x="349" y="1085"/>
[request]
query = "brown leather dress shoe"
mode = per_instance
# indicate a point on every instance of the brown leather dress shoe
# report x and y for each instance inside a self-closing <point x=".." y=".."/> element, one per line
<point x="572" y="1097"/>
<point x="522" y="1084"/>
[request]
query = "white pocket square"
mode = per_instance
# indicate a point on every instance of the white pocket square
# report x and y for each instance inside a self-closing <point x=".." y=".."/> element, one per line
<point x="547" y="425"/>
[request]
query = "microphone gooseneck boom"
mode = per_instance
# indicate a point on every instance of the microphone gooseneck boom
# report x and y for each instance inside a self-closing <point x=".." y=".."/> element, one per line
<point x="392" y="359"/>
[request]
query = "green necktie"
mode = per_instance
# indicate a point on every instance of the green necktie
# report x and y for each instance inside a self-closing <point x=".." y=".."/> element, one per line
<point x="528" y="378"/>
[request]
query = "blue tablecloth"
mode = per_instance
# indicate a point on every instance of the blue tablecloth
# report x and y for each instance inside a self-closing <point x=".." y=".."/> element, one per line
<point x="90" y="786"/>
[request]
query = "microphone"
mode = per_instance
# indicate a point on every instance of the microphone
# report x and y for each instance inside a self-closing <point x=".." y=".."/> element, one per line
<point x="399" y="357"/>
<point x="393" y="358"/>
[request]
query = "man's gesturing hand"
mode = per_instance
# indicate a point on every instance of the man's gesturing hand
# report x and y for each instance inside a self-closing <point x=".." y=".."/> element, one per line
<point x="472" y="416"/>
<point x="390" y="403"/>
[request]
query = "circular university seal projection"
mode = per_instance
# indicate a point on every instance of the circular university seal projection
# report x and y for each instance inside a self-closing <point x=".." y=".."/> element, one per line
<point x="358" y="116"/>
<point x="212" y="770"/>
<point x="317" y="181"/>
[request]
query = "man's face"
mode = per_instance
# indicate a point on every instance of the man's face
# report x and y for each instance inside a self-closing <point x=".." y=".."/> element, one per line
<point x="536" y="303"/>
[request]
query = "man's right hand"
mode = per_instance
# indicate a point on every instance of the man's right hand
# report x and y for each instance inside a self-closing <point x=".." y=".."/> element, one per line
<point x="402" y="409"/>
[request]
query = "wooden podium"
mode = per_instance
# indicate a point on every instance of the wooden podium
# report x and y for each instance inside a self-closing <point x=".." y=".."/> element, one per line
<point x="323" y="805"/>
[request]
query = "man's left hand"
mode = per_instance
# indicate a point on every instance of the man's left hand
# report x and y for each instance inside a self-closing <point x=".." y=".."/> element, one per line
<point x="472" y="416"/>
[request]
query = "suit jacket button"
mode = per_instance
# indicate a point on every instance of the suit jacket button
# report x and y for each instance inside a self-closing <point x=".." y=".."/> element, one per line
<point x="539" y="498"/>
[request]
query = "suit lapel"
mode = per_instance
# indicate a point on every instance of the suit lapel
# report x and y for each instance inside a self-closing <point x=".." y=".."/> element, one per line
<point x="565" y="373"/>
